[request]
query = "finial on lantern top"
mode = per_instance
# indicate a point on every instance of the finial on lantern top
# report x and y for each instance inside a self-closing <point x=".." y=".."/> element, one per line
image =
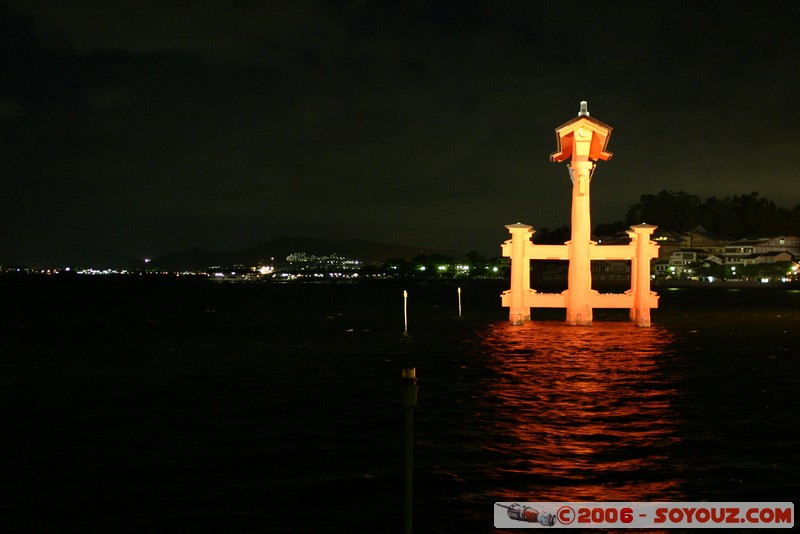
<point x="584" y="112"/>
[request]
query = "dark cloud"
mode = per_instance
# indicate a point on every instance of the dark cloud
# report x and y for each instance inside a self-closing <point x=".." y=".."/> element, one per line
<point x="149" y="126"/>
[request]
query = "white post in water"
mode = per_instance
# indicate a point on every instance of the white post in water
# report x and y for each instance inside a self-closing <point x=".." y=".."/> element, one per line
<point x="459" y="302"/>
<point x="405" y="310"/>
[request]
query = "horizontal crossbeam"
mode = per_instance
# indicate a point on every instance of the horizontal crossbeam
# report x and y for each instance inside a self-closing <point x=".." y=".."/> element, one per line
<point x="535" y="299"/>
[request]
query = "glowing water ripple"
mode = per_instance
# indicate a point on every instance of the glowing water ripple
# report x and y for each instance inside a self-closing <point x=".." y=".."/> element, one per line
<point x="588" y="409"/>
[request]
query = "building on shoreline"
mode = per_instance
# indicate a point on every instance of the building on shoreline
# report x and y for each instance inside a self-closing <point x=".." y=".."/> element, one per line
<point x="699" y="253"/>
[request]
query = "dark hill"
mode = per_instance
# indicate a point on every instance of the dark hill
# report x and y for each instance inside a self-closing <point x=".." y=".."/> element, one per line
<point x="357" y="249"/>
<point x="100" y="259"/>
<point x="196" y="258"/>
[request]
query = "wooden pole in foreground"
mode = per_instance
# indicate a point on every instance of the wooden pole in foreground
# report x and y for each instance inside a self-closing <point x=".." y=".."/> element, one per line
<point x="409" y="401"/>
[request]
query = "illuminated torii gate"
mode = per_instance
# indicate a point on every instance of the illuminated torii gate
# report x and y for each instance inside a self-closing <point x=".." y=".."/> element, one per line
<point x="583" y="141"/>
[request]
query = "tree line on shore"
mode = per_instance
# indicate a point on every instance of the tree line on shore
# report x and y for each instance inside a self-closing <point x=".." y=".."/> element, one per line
<point x="737" y="216"/>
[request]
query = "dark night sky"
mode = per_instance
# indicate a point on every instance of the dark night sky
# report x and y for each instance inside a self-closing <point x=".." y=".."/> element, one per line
<point x="151" y="126"/>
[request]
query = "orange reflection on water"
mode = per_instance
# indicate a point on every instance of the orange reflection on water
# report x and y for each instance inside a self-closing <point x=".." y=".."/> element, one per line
<point x="583" y="413"/>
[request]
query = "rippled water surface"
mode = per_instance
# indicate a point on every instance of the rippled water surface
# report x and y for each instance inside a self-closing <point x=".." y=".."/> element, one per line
<point x="589" y="408"/>
<point x="132" y="406"/>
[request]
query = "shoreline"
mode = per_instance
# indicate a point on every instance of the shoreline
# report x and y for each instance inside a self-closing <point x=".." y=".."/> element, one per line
<point x="502" y="283"/>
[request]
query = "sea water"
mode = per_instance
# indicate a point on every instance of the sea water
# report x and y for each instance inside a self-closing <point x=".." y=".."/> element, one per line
<point x="156" y="404"/>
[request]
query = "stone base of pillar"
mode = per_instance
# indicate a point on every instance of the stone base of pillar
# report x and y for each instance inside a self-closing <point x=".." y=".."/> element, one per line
<point x="641" y="317"/>
<point x="581" y="317"/>
<point x="518" y="318"/>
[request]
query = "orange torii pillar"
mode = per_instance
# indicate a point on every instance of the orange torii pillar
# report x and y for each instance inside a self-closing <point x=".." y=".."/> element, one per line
<point x="643" y="298"/>
<point x="518" y="249"/>
<point x="583" y="141"/>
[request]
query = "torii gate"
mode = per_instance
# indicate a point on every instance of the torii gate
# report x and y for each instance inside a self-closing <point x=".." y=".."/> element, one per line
<point x="583" y="140"/>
